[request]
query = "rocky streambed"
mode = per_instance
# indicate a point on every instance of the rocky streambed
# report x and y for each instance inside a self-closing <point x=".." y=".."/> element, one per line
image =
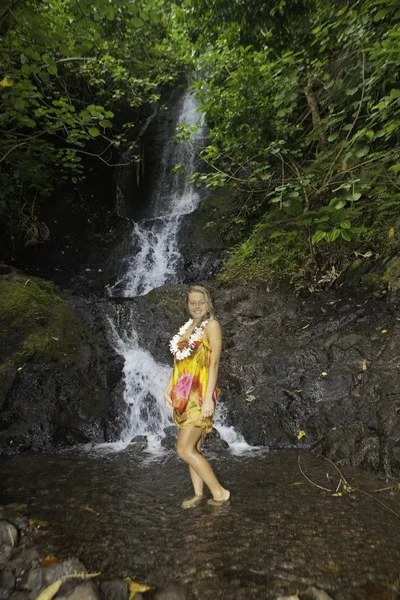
<point x="293" y="528"/>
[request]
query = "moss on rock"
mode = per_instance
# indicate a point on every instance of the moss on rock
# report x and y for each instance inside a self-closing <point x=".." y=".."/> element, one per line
<point x="170" y="299"/>
<point x="42" y="327"/>
<point x="392" y="275"/>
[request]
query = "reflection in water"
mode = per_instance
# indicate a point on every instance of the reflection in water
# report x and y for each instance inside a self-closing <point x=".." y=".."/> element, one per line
<point x="273" y="537"/>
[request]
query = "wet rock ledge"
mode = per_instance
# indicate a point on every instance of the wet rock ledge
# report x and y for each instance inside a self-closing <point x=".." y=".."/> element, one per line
<point x="60" y="381"/>
<point x="320" y="371"/>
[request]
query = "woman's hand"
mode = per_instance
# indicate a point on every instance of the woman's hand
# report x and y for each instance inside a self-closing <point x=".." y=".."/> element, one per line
<point x="207" y="408"/>
<point x="167" y="398"/>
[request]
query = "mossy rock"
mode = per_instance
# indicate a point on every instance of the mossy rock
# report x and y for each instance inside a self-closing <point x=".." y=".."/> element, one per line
<point x="37" y="324"/>
<point x="392" y="275"/>
<point x="170" y="299"/>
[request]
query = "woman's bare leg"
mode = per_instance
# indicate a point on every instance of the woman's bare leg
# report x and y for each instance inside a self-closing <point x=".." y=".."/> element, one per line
<point x="197" y="482"/>
<point x="187" y="450"/>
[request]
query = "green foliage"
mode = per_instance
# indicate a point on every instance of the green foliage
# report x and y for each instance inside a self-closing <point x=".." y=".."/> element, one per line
<point x="302" y="101"/>
<point x="66" y="68"/>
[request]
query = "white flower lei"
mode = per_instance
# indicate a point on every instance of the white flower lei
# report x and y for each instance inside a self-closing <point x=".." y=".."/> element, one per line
<point x="196" y="335"/>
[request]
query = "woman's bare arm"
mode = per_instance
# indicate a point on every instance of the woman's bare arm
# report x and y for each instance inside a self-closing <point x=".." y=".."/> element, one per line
<point x="214" y="333"/>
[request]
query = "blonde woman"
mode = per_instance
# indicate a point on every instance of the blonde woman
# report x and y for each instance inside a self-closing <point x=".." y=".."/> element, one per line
<point x="192" y="390"/>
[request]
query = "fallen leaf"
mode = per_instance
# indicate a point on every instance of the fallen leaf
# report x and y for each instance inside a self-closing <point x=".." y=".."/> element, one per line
<point x="49" y="560"/>
<point x="384" y="330"/>
<point x="20" y="368"/>
<point x="107" y="285"/>
<point x="391" y="232"/>
<point x="88" y="270"/>
<point x="135" y="587"/>
<point x="99" y="270"/>
<point x="298" y="483"/>
<point x="301" y="434"/>
<point x="62" y="252"/>
<point x="38" y="523"/>
<point x="54" y="338"/>
<point x="91" y="510"/>
<point x="364" y="365"/>
<point x="324" y="373"/>
<point x="305" y="326"/>
<point x="298" y="391"/>
<point x="50" y="591"/>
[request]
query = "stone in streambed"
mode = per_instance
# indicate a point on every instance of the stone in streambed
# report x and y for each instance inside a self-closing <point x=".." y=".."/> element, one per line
<point x="213" y="441"/>
<point x="84" y="591"/>
<point x="8" y="533"/>
<point x="313" y="593"/>
<point x="18" y="595"/>
<point x="23" y="559"/>
<point x="7" y="579"/>
<point x="171" y="435"/>
<point x="173" y="591"/>
<point x="5" y="553"/>
<point x="38" y="579"/>
<point x="21" y="522"/>
<point x="169" y="442"/>
<point x="139" y="442"/>
<point x="115" y="589"/>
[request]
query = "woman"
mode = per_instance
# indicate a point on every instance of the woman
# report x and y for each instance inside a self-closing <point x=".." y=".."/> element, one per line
<point x="192" y="391"/>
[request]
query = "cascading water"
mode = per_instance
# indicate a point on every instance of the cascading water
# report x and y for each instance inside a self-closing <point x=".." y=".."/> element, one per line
<point x="154" y="261"/>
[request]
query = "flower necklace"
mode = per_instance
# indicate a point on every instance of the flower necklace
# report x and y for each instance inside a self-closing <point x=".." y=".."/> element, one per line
<point x="196" y="335"/>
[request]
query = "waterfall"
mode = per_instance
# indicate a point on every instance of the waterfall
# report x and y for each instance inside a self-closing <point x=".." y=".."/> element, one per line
<point x="154" y="261"/>
<point x="155" y="256"/>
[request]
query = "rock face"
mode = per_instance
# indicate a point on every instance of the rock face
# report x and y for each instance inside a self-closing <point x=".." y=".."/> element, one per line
<point x="60" y="380"/>
<point x="319" y="372"/>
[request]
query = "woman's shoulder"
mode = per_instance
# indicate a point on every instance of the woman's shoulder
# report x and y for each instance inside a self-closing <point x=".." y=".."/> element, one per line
<point x="213" y="326"/>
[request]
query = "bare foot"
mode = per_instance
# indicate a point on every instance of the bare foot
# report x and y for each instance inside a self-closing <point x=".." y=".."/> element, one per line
<point x="192" y="502"/>
<point x="220" y="499"/>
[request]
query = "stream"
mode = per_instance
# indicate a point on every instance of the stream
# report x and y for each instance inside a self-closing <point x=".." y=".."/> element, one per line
<point x="121" y="514"/>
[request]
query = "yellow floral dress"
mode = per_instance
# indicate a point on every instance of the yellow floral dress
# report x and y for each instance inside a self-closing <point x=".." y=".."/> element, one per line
<point x="189" y="384"/>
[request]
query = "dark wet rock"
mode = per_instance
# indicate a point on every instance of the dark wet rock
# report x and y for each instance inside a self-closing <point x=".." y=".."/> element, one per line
<point x="38" y="579"/>
<point x="213" y="441"/>
<point x="5" y="553"/>
<point x="7" y="579"/>
<point x="169" y="442"/>
<point x="18" y="595"/>
<point x="139" y="439"/>
<point x="4" y="593"/>
<point x="171" y="430"/>
<point x="320" y="372"/>
<point x="116" y="589"/>
<point x="174" y="591"/>
<point x="8" y="533"/>
<point x="313" y="593"/>
<point x="139" y="443"/>
<point x="171" y="435"/>
<point x="83" y="591"/>
<point x="60" y="378"/>
<point x="23" y="559"/>
<point x="17" y="519"/>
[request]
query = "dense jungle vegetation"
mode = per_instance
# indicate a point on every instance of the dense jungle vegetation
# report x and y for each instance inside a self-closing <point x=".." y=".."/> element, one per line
<point x="301" y="98"/>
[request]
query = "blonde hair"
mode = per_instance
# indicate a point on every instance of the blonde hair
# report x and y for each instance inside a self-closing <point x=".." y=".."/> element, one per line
<point x="209" y="303"/>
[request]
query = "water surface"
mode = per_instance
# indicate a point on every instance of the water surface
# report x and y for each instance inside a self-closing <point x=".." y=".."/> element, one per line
<point x="121" y="514"/>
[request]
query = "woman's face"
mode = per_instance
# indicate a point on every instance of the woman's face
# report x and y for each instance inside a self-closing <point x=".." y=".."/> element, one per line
<point x="197" y="305"/>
